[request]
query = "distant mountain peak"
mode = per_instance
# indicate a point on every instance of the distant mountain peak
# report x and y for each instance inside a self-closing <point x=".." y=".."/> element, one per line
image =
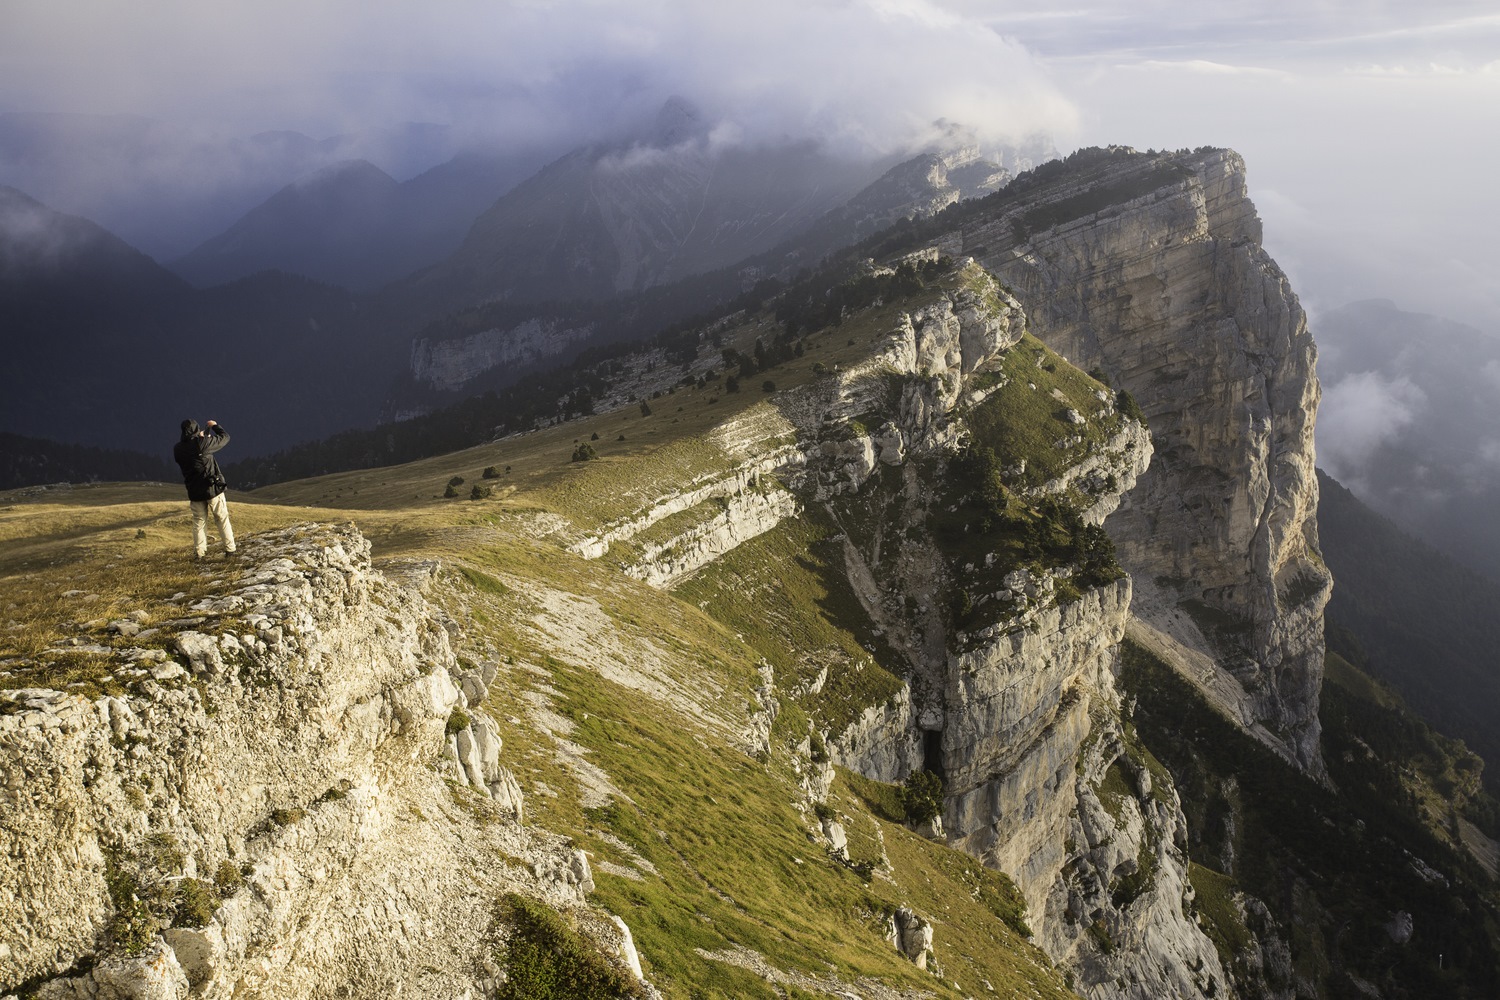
<point x="678" y="121"/>
<point x="38" y="243"/>
<point x="343" y="172"/>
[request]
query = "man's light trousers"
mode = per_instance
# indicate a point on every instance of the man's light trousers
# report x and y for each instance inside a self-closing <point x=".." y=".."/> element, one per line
<point x="219" y="507"/>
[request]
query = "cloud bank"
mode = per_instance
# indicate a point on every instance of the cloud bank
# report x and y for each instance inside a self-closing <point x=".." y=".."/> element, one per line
<point x="1370" y="126"/>
<point x="865" y="75"/>
<point x="1359" y="414"/>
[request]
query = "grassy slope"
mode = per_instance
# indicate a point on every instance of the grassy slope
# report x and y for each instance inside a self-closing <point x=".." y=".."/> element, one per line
<point x="729" y="835"/>
<point x="1023" y="423"/>
<point x="786" y="592"/>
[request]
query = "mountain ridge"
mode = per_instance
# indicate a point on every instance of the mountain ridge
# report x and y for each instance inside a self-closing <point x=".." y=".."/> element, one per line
<point x="768" y="632"/>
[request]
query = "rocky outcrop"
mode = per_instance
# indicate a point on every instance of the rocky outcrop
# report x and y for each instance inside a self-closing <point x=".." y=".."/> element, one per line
<point x="1118" y="911"/>
<point x="259" y="807"/>
<point x="1017" y="712"/>
<point x="1021" y="710"/>
<point x="1125" y="456"/>
<point x="451" y="364"/>
<point x="911" y="935"/>
<point x="810" y="437"/>
<point x="753" y="446"/>
<point x="731" y="520"/>
<point x="1151" y="268"/>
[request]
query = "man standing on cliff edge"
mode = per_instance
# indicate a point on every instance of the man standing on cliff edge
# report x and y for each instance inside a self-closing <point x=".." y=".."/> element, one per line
<point x="205" y="483"/>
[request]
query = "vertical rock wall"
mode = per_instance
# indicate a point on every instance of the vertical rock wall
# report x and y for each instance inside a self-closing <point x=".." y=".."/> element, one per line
<point x="1171" y="293"/>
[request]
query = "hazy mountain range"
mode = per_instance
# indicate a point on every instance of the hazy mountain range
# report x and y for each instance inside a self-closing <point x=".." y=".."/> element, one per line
<point x="132" y="346"/>
<point x="166" y="188"/>
<point x="352" y="224"/>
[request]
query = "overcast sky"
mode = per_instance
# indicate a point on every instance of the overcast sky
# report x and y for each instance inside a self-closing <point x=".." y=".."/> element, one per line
<point x="1369" y="128"/>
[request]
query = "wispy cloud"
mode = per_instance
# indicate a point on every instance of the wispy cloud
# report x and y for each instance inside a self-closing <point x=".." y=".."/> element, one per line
<point x="1426" y="70"/>
<point x="1359" y="414"/>
<point x="1206" y="66"/>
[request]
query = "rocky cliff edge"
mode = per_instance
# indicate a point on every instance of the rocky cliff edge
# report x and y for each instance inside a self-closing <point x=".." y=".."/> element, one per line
<point x="262" y="806"/>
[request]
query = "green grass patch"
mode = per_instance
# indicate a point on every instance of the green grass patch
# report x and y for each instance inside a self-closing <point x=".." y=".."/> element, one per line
<point x="1025" y="424"/>
<point x="546" y="958"/>
<point x="483" y="582"/>
<point x="1126" y="889"/>
<point x="1340" y="672"/>
<point x="787" y="593"/>
<point x="884" y="800"/>
<point x="1220" y="918"/>
<point x="1113" y="790"/>
<point x="196" y="902"/>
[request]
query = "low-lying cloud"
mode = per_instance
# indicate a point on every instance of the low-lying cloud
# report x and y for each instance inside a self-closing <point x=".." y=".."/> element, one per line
<point x="1359" y="414"/>
<point x="1387" y="201"/>
<point x="865" y="75"/>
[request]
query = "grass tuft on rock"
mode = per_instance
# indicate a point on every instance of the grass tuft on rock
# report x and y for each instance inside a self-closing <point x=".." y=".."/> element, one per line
<point x="546" y="958"/>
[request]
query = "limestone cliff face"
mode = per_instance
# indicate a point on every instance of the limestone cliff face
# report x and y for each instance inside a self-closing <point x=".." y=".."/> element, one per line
<point x="1019" y="711"/>
<point x="450" y="365"/>
<point x="1018" y="706"/>
<point x="810" y="440"/>
<point x="1166" y="288"/>
<point x="1043" y="786"/>
<point x="284" y="751"/>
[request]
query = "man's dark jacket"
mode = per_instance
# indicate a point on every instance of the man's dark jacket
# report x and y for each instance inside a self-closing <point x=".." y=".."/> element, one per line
<point x="195" y="455"/>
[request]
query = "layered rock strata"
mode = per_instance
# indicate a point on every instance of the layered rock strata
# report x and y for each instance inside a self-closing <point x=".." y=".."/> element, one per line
<point x="450" y="365"/>
<point x="1169" y="291"/>
<point x="811" y="440"/>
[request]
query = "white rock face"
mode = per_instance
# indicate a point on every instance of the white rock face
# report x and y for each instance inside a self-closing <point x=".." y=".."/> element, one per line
<point x="300" y="749"/>
<point x="1017" y="711"/>
<point x="753" y="444"/>
<point x="449" y="365"/>
<point x="743" y="515"/>
<point x="1172" y="295"/>
<point x="806" y="439"/>
<point x="884" y="743"/>
<point x="911" y="935"/>
<point x="626" y="950"/>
